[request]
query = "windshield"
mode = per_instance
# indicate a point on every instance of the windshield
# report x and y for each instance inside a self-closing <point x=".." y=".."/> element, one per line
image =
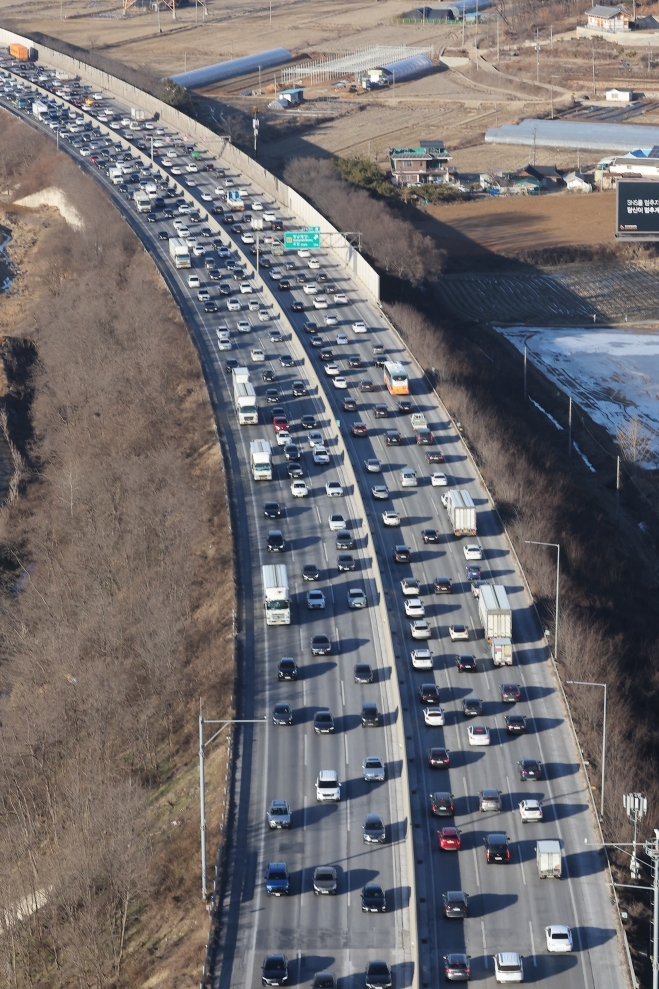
<point x="277" y="605"/>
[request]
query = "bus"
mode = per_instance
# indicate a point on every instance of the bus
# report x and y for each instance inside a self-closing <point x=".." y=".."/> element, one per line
<point x="395" y="378"/>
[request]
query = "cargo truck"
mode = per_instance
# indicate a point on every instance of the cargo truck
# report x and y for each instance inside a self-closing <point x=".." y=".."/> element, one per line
<point x="549" y="859"/>
<point x="240" y="374"/>
<point x="136" y="113"/>
<point x="22" y="53"/>
<point x="115" y="175"/>
<point x="461" y="512"/>
<point x="502" y="652"/>
<point x="142" y="201"/>
<point x="276" y="601"/>
<point x="495" y="612"/>
<point x="418" y="421"/>
<point x="260" y="457"/>
<point x="179" y="252"/>
<point x="39" y="110"/>
<point x="244" y="400"/>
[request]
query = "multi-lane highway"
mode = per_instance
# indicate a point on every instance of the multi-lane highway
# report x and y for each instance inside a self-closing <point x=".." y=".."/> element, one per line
<point x="509" y="905"/>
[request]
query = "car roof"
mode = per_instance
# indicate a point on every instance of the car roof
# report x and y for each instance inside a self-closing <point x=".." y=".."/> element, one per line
<point x="509" y="958"/>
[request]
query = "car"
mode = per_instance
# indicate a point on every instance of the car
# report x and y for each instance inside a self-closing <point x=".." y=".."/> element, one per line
<point x="275" y="335"/>
<point x="272" y="510"/>
<point x="326" y="353"/>
<point x="333" y="489"/>
<point x="458" y="632"/>
<point x="274" y="971"/>
<point x="457" y="967"/>
<point x="336" y="522"/>
<point x="456" y="904"/>
<point x="530" y="769"/>
<point x="313" y="263"/>
<point x="328" y="786"/>
<point x="408" y="478"/>
<point x="225" y="289"/>
<point x="356" y="598"/>
<point x="293" y="470"/>
<point x="530" y="810"/>
<point x="279" y="422"/>
<point x="402" y="554"/>
<point x="282" y="714"/>
<point x="378" y="975"/>
<point x="323" y="722"/>
<point x="391" y="519"/>
<point x="341" y="382"/>
<point x="325" y="880"/>
<point x="516" y="724"/>
<point x="473" y="572"/>
<point x="392" y="437"/>
<point x="315" y="438"/>
<point x="315" y="600"/>
<point x="214" y="274"/>
<point x="277" y="882"/>
<point x="508" y="967"/>
<point x="357" y="428"/>
<point x="441" y="804"/>
<point x="373" y="899"/>
<point x="287" y="669"/>
<point x="332" y="370"/>
<point x="373" y="466"/>
<point x="439" y="480"/>
<point x="429" y="693"/>
<point x="330" y="319"/>
<point x="299" y="489"/>
<point x="193" y="281"/>
<point x="272" y="396"/>
<point x="310" y="326"/>
<point x="366" y="385"/>
<point x="263" y="315"/>
<point x="163" y="235"/>
<point x="299" y="389"/>
<point x="370" y="715"/>
<point x="472" y="551"/>
<point x="355" y="362"/>
<point x="279" y="815"/>
<point x="276" y="542"/>
<point x="410" y="587"/>
<point x="349" y="404"/>
<point x="442" y="585"/>
<point x="422" y="659"/>
<point x="496" y="847"/>
<point x="476" y="587"/>
<point x="414" y="607"/>
<point x="466" y="663"/>
<point x="308" y="422"/>
<point x="405" y="406"/>
<point x="381" y="411"/>
<point x="363" y="673"/>
<point x="359" y="326"/>
<point x="212" y="306"/>
<point x="231" y="364"/>
<point x="373" y="830"/>
<point x="320" y="455"/>
<point x="233" y="305"/>
<point x="438" y="757"/>
<point x="286" y="360"/>
<point x="267" y="374"/>
<point x="434" y="717"/>
<point x="478" y="735"/>
<point x="559" y="938"/>
<point x="472" y="707"/>
<point x="430" y="536"/>
<point x="510" y="692"/>
<point x="380" y="492"/>
<point x="373" y="769"/>
<point x="345" y="562"/>
<point x="319" y="301"/>
<point x="489" y="799"/>
<point x="449" y="839"/>
<point x="321" y="645"/>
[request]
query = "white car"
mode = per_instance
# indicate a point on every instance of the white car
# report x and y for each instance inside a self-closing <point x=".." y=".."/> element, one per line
<point x="458" y="633"/>
<point x="193" y="281"/>
<point x="530" y="810"/>
<point x="245" y="288"/>
<point x="356" y="598"/>
<point x="332" y="370"/>
<point x="203" y="295"/>
<point x="438" y="480"/>
<point x="315" y="438"/>
<point x="299" y="489"/>
<point x="408" y="478"/>
<point x="414" y="608"/>
<point x="233" y="305"/>
<point x="189" y="182"/>
<point x="315" y="600"/>
<point x="263" y="315"/>
<point x="257" y="354"/>
<point x="340" y="299"/>
<point x="244" y="326"/>
<point x="420" y="629"/>
<point x="320" y="302"/>
<point x="422" y="659"/>
<point x="199" y="250"/>
<point x="247" y="238"/>
<point x="257" y="206"/>
<point x="191" y="167"/>
<point x="320" y="455"/>
<point x="508" y="967"/>
<point x="283" y="437"/>
<point x="310" y="288"/>
<point x="373" y="466"/>
<point x="433" y="716"/>
<point x="473" y="551"/>
<point x="559" y="938"/>
<point x="304" y="253"/>
<point x="333" y="489"/>
<point x="340" y="382"/>
<point x="191" y="241"/>
<point x="410" y="587"/>
<point x="336" y="522"/>
<point x="269" y="216"/>
<point x="176" y="170"/>
<point x="341" y="339"/>
<point x="391" y="518"/>
<point x="206" y="196"/>
<point x="359" y="326"/>
<point x="330" y="319"/>
<point x="219" y="191"/>
<point x="313" y="263"/>
<point x="478" y="735"/>
<point x="253" y="305"/>
<point x="275" y="274"/>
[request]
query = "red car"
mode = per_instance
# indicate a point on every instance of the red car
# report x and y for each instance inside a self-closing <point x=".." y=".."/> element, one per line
<point x="449" y="839"/>
<point x="279" y="423"/>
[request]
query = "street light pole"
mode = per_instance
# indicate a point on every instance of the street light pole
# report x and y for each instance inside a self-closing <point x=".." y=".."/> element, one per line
<point x="555" y="546"/>
<point x="589" y="683"/>
<point x="202" y="780"/>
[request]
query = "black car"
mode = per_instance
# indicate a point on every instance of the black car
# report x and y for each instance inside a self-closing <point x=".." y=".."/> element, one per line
<point x="267" y="374"/>
<point x="441" y="804"/>
<point x="276" y="542"/>
<point x="354" y="362"/>
<point x="349" y="404"/>
<point x="323" y="722"/>
<point x="293" y="469"/>
<point x="434" y="457"/>
<point x="429" y="693"/>
<point x="324" y="881"/>
<point x="163" y="235"/>
<point x="274" y="971"/>
<point x="310" y="326"/>
<point x="321" y="645"/>
<point x="430" y="536"/>
<point x="442" y="585"/>
<point x="402" y="554"/>
<point x="206" y="232"/>
<point x="515" y="724"/>
<point x="282" y="714"/>
<point x="284" y="285"/>
<point x="230" y="364"/>
<point x="378" y="975"/>
<point x="286" y="360"/>
<point x="151" y="217"/>
<point x="299" y="388"/>
<point x="457" y="967"/>
<point x="345" y="562"/>
<point x="344" y="540"/>
<point x="466" y="664"/>
<point x="456" y="904"/>
<point x="393" y="438"/>
<point x="373" y="831"/>
<point x="326" y="353"/>
<point x="366" y="385"/>
<point x="496" y="847"/>
<point x="292" y="451"/>
<point x="287" y="669"/>
<point x="272" y="510"/>
<point x="472" y="707"/>
<point x="438" y="757"/>
<point x="510" y="692"/>
<point x="380" y="361"/>
<point x="370" y="715"/>
<point x="381" y="411"/>
<point x="373" y="899"/>
<point x="309" y="422"/>
<point x="210" y="306"/>
<point x="310" y="572"/>
<point x="530" y="769"/>
<point x="214" y="274"/>
<point x="404" y="405"/>
<point x="271" y="396"/>
<point x="363" y="673"/>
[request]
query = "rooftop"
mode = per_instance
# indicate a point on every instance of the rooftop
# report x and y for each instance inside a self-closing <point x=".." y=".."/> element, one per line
<point x="600" y="11"/>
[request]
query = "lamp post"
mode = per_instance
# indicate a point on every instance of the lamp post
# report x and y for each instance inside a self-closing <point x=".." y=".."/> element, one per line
<point x="589" y="683"/>
<point x="202" y="781"/>
<point x="557" y="547"/>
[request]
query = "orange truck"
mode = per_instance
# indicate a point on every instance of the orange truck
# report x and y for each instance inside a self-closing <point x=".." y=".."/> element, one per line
<point x="22" y="53"/>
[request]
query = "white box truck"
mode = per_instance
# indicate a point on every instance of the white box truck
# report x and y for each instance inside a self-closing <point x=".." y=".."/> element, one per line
<point x="39" y="109"/>
<point x="115" y="175"/>
<point x="461" y="512"/>
<point x="240" y="374"/>
<point x="418" y="421"/>
<point x="142" y="201"/>
<point x="549" y="859"/>
<point x="260" y="457"/>
<point x="502" y="652"/>
<point x="244" y="400"/>
<point x="179" y="252"/>
<point x="276" y="599"/>
<point x="137" y="113"/>
<point x="495" y="612"/>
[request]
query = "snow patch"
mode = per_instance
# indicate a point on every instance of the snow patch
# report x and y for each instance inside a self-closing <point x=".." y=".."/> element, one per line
<point x="583" y="457"/>
<point x="54" y="197"/>
<point x="544" y="412"/>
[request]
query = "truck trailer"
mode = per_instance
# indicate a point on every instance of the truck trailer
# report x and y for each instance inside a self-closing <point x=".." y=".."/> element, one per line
<point x="276" y="600"/>
<point x="22" y="53"/>
<point x="260" y="456"/>
<point x="502" y="652"/>
<point x="549" y="859"/>
<point x="495" y="612"/>
<point x="179" y="252"/>
<point x="461" y="512"/>
<point x="244" y="400"/>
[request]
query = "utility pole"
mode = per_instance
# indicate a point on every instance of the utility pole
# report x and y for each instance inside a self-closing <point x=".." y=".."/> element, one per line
<point x="525" y="372"/>
<point x="497" y="39"/>
<point x="259" y="80"/>
<point x="158" y="8"/>
<point x="463" y="27"/>
<point x="636" y="805"/>
<point x="476" y="36"/>
<point x="537" y="56"/>
<point x="534" y="130"/>
<point x="255" y="128"/>
<point x="271" y="13"/>
<point x="617" y="488"/>
<point x="569" y="429"/>
<point x="652" y="851"/>
<point x="551" y="36"/>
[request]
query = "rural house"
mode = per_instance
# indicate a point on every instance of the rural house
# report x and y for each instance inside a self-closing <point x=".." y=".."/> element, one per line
<point x="608" y="20"/>
<point x="416" y="166"/>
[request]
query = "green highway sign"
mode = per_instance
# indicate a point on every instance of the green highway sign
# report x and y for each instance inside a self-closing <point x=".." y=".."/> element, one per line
<point x="302" y="239"/>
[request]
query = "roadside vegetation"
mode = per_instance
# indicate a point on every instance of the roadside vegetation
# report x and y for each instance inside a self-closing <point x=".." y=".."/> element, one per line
<point x="115" y="601"/>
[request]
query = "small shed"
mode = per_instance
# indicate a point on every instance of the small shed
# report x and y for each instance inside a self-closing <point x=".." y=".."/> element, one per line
<point x="609" y="20"/>
<point x="291" y="95"/>
<point x="620" y="95"/>
<point x="577" y="182"/>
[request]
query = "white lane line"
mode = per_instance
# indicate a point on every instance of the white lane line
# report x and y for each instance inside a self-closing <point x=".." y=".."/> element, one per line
<point x="347" y="816"/>
<point x="306" y="739"/>
<point x="345" y="746"/>
<point x="535" y="960"/>
<point x="485" y="958"/>
<point x="325" y="552"/>
<point x="304" y="813"/>
<point x="343" y="696"/>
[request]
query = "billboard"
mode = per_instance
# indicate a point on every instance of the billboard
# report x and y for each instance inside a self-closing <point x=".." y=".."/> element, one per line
<point x="637" y="209"/>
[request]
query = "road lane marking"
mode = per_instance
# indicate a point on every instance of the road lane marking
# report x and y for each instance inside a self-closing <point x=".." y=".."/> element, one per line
<point x="306" y="739"/>
<point x="345" y="745"/>
<point x="485" y="958"/>
<point x="535" y="960"/>
<point x="304" y="813"/>
<point x="343" y="696"/>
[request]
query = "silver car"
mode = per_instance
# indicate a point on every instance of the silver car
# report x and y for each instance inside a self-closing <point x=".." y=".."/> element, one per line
<point x="279" y="815"/>
<point x="373" y="769"/>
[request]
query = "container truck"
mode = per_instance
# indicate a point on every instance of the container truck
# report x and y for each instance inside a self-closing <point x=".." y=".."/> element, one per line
<point x="418" y="421"/>
<point x="240" y="374"/>
<point x="502" y="652"/>
<point x="461" y="512"/>
<point x="276" y="600"/>
<point x="22" y="53"/>
<point x="179" y="252"/>
<point x="142" y="201"/>
<point x="495" y="612"/>
<point x="136" y="113"/>
<point x="260" y="456"/>
<point x="244" y="400"/>
<point x="549" y="859"/>
<point x="63" y="76"/>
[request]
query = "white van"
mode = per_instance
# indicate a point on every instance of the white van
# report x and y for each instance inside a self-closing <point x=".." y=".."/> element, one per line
<point x="508" y="967"/>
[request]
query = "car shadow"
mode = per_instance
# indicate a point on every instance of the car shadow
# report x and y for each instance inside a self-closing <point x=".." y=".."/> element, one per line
<point x="536" y="725"/>
<point x="483" y="904"/>
<point x="396" y="831"/>
<point x="352" y="644"/>
<point x="585" y="938"/>
<point x="348" y="722"/>
<point x="311" y="670"/>
<point x="558" y="812"/>
<point x="307" y="966"/>
<point x="314" y="814"/>
<point x="398" y="898"/>
<point x="465" y="757"/>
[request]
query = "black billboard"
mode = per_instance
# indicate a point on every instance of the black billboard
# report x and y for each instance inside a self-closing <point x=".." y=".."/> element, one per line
<point x="637" y="209"/>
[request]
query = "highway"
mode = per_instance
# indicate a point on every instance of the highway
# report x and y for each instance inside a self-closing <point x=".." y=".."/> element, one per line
<point x="509" y="905"/>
